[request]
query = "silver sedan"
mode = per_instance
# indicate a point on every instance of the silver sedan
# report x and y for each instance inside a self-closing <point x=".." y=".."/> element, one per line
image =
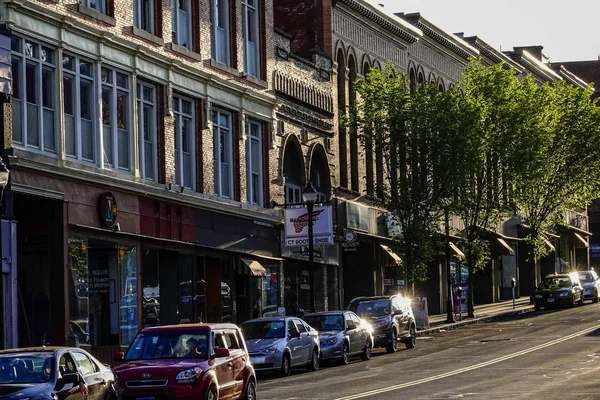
<point x="281" y="343"/>
<point x="342" y="334"/>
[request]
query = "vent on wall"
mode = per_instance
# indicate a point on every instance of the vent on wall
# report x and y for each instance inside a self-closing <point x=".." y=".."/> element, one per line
<point x="304" y="136"/>
<point x="327" y="144"/>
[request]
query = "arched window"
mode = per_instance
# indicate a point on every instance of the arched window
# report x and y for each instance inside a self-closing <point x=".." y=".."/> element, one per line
<point x="412" y="80"/>
<point x="368" y="150"/>
<point x="319" y="174"/>
<point x="341" y="88"/>
<point x="353" y="134"/>
<point x="293" y="171"/>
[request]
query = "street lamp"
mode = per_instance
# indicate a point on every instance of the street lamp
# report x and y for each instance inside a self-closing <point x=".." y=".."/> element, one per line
<point x="449" y="305"/>
<point x="4" y="174"/>
<point x="310" y="197"/>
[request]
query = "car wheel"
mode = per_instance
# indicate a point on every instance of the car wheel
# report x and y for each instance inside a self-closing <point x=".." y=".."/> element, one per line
<point x="393" y="346"/>
<point x="286" y="368"/>
<point x="580" y="300"/>
<point x="412" y="340"/>
<point x="595" y="299"/>
<point x="314" y="361"/>
<point x="366" y="355"/>
<point x="251" y="391"/>
<point x="537" y="307"/>
<point x="212" y="393"/>
<point x="345" y="359"/>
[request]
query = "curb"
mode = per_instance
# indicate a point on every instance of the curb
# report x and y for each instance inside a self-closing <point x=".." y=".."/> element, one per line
<point x="475" y="321"/>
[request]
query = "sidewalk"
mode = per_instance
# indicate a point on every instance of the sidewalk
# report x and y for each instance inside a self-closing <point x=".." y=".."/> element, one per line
<point x="483" y="313"/>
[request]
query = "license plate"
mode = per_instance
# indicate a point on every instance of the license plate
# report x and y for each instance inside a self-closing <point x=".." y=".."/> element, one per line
<point x="549" y="300"/>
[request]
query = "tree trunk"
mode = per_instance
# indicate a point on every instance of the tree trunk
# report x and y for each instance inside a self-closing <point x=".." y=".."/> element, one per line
<point x="471" y="294"/>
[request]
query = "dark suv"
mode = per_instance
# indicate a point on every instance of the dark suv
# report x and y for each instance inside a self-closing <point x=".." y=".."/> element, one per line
<point x="559" y="290"/>
<point x="194" y="361"/>
<point x="391" y="318"/>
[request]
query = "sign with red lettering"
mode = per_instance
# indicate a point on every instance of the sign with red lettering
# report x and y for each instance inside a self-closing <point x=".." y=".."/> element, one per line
<point x="296" y="226"/>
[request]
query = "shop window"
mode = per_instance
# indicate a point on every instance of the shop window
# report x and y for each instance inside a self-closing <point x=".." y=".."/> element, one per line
<point x="143" y="17"/>
<point x="146" y="100"/>
<point x="223" y="154"/>
<point x="250" y="34"/>
<point x="219" y="31"/>
<point x="181" y="23"/>
<point x="270" y="292"/>
<point x="297" y="288"/>
<point x="185" y="141"/>
<point x="102" y="292"/>
<point x="115" y="119"/>
<point x="34" y="95"/>
<point x="254" y="163"/>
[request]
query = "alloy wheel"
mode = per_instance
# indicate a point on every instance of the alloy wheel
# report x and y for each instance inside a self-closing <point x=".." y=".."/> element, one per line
<point x="251" y="391"/>
<point x="212" y="393"/>
<point x="285" y="365"/>
<point x="345" y="354"/>
<point x="367" y="352"/>
<point x="412" y="341"/>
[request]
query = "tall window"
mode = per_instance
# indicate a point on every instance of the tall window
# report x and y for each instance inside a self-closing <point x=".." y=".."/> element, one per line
<point x="219" y="30"/>
<point x="254" y="163"/>
<point x="98" y="5"/>
<point x="143" y="17"/>
<point x="184" y="142"/>
<point x="223" y="154"/>
<point x="250" y="34"/>
<point x="34" y="95"/>
<point x="146" y="100"/>
<point x="116" y="137"/>
<point x="181" y="17"/>
<point x="79" y="110"/>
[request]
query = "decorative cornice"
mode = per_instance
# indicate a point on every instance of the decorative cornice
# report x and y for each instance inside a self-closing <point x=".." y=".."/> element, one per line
<point x="303" y="92"/>
<point x="389" y="22"/>
<point x="494" y="55"/>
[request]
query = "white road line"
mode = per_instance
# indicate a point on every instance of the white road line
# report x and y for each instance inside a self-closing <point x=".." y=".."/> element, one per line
<point x="467" y="369"/>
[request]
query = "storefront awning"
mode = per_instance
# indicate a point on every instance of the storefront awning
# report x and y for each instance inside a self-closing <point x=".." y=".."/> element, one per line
<point x="395" y="256"/>
<point x="582" y="239"/>
<point x="457" y="250"/>
<point x="550" y="245"/>
<point x="255" y="268"/>
<point x="506" y="246"/>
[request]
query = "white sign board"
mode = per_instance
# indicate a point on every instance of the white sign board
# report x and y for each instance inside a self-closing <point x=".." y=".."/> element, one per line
<point x="296" y="226"/>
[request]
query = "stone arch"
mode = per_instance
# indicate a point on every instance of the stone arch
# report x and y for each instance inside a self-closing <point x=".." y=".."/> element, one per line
<point x="319" y="172"/>
<point x="293" y="168"/>
<point x="431" y="78"/>
<point x="441" y="85"/>
<point x="412" y="80"/>
<point x="339" y="48"/>
<point x="420" y="75"/>
<point x="365" y="62"/>
<point x="352" y="75"/>
<point x="351" y="53"/>
<point x="377" y="65"/>
<point x="341" y="104"/>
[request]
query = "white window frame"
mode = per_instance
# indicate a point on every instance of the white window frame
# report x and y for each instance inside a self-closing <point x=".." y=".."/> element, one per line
<point x="78" y="78"/>
<point x="142" y="103"/>
<point x="296" y="190"/>
<point x="114" y="90"/>
<point x="180" y="115"/>
<point x="23" y="59"/>
<point x="98" y="5"/>
<point x="137" y="15"/>
<point x="176" y="22"/>
<point x="250" y="157"/>
<point x="217" y="130"/>
<point x="251" y="57"/>
<point x="219" y="35"/>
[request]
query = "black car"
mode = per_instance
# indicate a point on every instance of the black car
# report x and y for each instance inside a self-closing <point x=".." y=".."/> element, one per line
<point x="391" y="318"/>
<point x="559" y="290"/>
<point x="51" y="373"/>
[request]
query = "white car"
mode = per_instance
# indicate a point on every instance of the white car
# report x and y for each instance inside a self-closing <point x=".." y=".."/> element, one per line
<point x="590" y="284"/>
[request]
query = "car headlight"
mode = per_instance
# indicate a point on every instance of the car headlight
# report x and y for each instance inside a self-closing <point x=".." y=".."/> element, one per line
<point x="269" y="350"/>
<point x="330" y="341"/>
<point x="564" y="294"/>
<point x="538" y="296"/>
<point x="189" y="375"/>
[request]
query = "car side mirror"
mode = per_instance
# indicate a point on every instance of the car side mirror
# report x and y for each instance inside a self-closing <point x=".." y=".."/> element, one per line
<point x="221" y="353"/>
<point x="72" y="378"/>
<point x="119" y="356"/>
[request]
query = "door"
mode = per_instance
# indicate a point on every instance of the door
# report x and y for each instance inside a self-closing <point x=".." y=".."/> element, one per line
<point x="295" y="343"/>
<point x="351" y="331"/>
<point x="223" y="368"/>
<point x="400" y="315"/>
<point x="238" y="359"/>
<point x="360" y="336"/>
<point x="69" y="391"/>
<point x="305" y="342"/>
<point x="92" y="376"/>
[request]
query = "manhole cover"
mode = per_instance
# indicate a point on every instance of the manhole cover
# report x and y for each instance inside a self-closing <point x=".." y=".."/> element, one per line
<point x="494" y="340"/>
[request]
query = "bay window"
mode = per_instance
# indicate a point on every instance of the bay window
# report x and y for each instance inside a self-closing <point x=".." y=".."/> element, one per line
<point x="254" y="163"/>
<point x="181" y="22"/>
<point x="146" y="101"/>
<point x="116" y="138"/>
<point x="250" y="34"/>
<point x="219" y="31"/>
<point x="223" y="154"/>
<point x="185" y="140"/>
<point x="34" y="95"/>
<point x="143" y="17"/>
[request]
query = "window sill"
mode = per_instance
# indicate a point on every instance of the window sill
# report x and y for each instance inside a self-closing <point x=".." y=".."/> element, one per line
<point x="97" y="15"/>
<point x="225" y="68"/>
<point x="142" y="34"/>
<point x="184" y="51"/>
<point x="254" y="80"/>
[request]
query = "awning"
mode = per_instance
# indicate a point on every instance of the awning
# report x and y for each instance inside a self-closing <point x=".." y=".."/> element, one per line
<point x="582" y="239"/>
<point x="506" y="246"/>
<point x="395" y="256"/>
<point x="550" y="246"/>
<point x="255" y="268"/>
<point x="457" y="250"/>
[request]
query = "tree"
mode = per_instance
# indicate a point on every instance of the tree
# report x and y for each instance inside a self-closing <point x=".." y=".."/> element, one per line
<point x="406" y="128"/>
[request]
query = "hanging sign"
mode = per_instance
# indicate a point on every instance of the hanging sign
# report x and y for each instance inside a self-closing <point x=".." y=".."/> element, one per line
<point x="108" y="209"/>
<point x="296" y="226"/>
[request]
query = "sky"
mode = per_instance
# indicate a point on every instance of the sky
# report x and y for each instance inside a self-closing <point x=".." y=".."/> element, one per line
<point x="568" y="30"/>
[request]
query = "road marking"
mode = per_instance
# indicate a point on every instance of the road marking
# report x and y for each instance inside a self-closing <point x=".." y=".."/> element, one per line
<point x="468" y="369"/>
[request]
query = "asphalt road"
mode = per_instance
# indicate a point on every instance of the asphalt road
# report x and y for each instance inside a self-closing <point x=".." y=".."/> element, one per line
<point x="540" y="355"/>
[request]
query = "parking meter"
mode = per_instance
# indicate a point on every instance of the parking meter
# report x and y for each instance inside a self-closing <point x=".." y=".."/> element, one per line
<point x="513" y="284"/>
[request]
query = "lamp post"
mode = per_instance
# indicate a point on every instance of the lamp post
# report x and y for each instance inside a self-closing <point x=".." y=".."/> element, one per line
<point x="4" y="175"/>
<point x="449" y="305"/>
<point x="310" y="197"/>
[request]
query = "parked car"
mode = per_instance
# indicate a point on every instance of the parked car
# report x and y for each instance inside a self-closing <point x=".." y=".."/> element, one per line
<point x="590" y="282"/>
<point x="559" y="290"/>
<point x="281" y="343"/>
<point x="192" y="361"/>
<point x="391" y="318"/>
<point x="47" y="373"/>
<point x="342" y="334"/>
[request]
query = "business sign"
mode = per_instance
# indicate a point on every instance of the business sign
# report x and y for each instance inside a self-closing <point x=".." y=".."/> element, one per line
<point x="296" y="226"/>
<point x="108" y="209"/>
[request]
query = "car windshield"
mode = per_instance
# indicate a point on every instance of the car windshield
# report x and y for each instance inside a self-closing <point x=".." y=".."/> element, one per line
<point x="586" y="277"/>
<point x="263" y="329"/>
<point x="326" y="322"/>
<point x="26" y="368"/>
<point x="556" y="283"/>
<point x="371" y="308"/>
<point x="169" y="344"/>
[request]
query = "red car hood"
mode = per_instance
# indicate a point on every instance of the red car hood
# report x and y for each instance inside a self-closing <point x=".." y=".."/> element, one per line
<point x="156" y="369"/>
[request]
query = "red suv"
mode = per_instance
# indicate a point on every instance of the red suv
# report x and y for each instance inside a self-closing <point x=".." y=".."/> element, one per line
<point x="195" y="361"/>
